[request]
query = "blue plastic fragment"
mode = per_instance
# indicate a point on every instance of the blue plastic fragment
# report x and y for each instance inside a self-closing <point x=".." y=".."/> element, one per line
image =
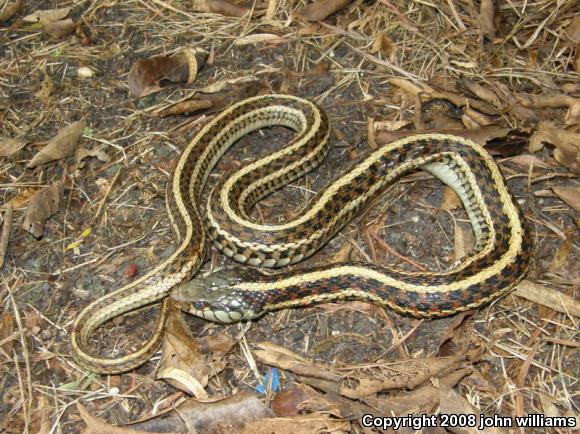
<point x="263" y="386"/>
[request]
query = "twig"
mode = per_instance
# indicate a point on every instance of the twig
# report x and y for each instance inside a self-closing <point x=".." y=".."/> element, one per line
<point x="5" y="233"/>
<point x="102" y="204"/>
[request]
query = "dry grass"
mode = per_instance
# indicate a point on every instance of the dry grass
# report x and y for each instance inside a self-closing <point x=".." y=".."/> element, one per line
<point x="529" y="361"/>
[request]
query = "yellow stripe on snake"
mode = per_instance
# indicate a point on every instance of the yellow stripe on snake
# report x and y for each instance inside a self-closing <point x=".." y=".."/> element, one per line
<point x="499" y="260"/>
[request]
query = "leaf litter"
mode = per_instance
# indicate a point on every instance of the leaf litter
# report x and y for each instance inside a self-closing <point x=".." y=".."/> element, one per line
<point x="504" y="75"/>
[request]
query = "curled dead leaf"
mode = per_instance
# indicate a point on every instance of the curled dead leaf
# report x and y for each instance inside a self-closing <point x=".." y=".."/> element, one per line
<point x="43" y="205"/>
<point x="487" y="19"/>
<point x="47" y="16"/>
<point x="83" y="153"/>
<point x="384" y="45"/>
<point x="9" y="147"/>
<point x="61" y="28"/>
<point x="548" y="297"/>
<point x="146" y="75"/>
<point x="60" y="147"/>
<point x="567" y="144"/>
<point x="222" y="415"/>
<point x="570" y="195"/>
<point x="182" y="363"/>
<point x="321" y="9"/>
<point x="406" y="374"/>
<point x="220" y="7"/>
<point x="10" y="9"/>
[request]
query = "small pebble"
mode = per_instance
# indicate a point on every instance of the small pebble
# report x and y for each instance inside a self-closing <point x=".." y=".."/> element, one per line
<point x="131" y="270"/>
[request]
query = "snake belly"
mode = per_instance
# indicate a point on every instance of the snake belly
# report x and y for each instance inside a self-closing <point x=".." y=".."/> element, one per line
<point x="499" y="261"/>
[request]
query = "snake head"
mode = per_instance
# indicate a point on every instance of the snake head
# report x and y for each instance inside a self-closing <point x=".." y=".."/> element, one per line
<point x="215" y="298"/>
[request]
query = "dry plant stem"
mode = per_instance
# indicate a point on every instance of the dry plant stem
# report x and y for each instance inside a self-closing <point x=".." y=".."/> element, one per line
<point x="6" y="227"/>
<point x="26" y="394"/>
<point x="106" y="195"/>
<point x="271" y="11"/>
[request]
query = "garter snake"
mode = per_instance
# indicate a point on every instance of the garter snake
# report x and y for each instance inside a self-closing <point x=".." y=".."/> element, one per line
<point x="500" y="258"/>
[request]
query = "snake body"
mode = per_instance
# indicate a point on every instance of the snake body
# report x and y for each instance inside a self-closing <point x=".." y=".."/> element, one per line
<point x="500" y="258"/>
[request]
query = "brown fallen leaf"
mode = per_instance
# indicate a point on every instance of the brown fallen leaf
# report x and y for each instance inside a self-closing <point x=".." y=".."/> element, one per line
<point x="384" y="45"/>
<point x="464" y="240"/>
<point x="275" y="355"/>
<point x="406" y="374"/>
<point x="182" y="364"/>
<point x="227" y="415"/>
<point x="312" y="423"/>
<point x="220" y="7"/>
<point x="96" y="425"/>
<point x="61" y="28"/>
<point x="47" y="16"/>
<point x="60" y="147"/>
<point x="7" y="332"/>
<point x="562" y="253"/>
<point x="146" y="75"/>
<point x="567" y="144"/>
<point x="10" y="9"/>
<point x="487" y="19"/>
<point x="548" y="297"/>
<point x="321" y="9"/>
<point x="9" y="147"/>
<point x="570" y="195"/>
<point x="457" y="336"/>
<point x="555" y="101"/>
<point x="22" y="198"/>
<point x="213" y="103"/>
<point x="82" y="153"/>
<point x="43" y="205"/>
<point x="450" y="199"/>
<point x="422" y="400"/>
<point x="452" y="403"/>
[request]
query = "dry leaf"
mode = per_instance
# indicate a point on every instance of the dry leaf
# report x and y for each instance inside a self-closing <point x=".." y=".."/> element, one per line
<point x="10" y="9"/>
<point x="450" y="200"/>
<point x="562" y="254"/>
<point x="96" y="425"/>
<point x="256" y="38"/>
<point x="384" y="44"/>
<point x="406" y="374"/>
<point x="60" y="147"/>
<point x="487" y="19"/>
<point x="9" y="147"/>
<point x="548" y="297"/>
<point x="321" y="9"/>
<point x="451" y="403"/>
<point x="227" y="415"/>
<point x="573" y="29"/>
<point x="182" y="67"/>
<point x="83" y="153"/>
<point x="43" y="205"/>
<point x="6" y="332"/>
<point x="60" y="29"/>
<point x="182" y="363"/>
<point x="312" y="423"/>
<point x="47" y="16"/>
<point x="22" y="198"/>
<point x="278" y="356"/>
<point x="570" y="195"/>
<point x="463" y="241"/>
<point x="567" y="144"/>
<point x="221" y="7"/>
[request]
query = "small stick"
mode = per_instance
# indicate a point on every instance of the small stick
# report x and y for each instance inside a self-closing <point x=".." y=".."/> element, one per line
<point x="102" y="204"/>
<point x="5" y="234"/>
